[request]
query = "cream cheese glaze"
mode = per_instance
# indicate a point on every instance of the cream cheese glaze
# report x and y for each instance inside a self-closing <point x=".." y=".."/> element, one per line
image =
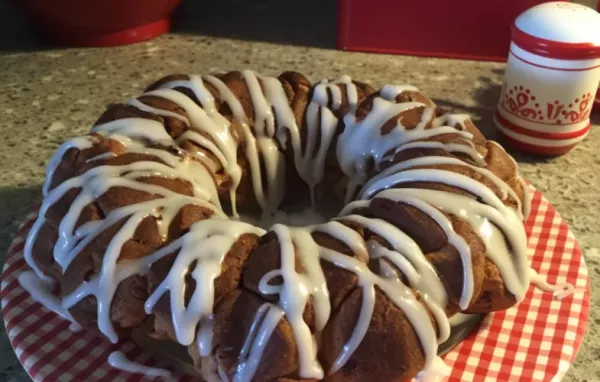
<point x="119" y="361"/>
<point x="274" y="127"/>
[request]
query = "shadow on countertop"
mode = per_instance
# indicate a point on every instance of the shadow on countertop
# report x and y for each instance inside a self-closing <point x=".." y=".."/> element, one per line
<point x="15" y="204"/>
<point x="293" y="22"/>
<point x="16" y="34"/>
<point x="485" y="96"/>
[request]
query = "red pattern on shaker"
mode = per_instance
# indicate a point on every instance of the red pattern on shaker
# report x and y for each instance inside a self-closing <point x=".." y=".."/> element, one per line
<point x="520" y="101"/>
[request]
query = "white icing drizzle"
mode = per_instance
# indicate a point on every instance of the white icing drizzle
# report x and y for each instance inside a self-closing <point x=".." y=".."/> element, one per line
<point x="361" y="141"/>
<point x="106" y="155"/>
<point x="438" y="371"/>
<point x="496" y="224"/>
<point x="138" y="129"/>
<point x="222" y="374"/>
<point x="413" y="251"/>
<point x="450" y="119"/>
<point x="196" y="84"/>
<point x="265" y="322"/>
<point x="373" y="145"/>
<point x="346" y="235"/>
<point x="526" y="191"/>
<point x="390" y="92"/>
<point x="397" y="292"/>
<point x="404" y="248"/>
<point x="264" y="132"/>
<point x="321" y="90"/>
<point x="295" y="291"/>
<point x="79" y="143"/>
<point x="296" y="288"/>
<point x="149" y="109"/>
<point x="385" y="178"/>
<point x="207" y="242"/>
<point x="559" y="291"/>
<point x="526" y="196"/>
<point x="259" y="142"/>
<point x="309" y="169"/>
<point x="118" y="360"/>
<point x="41" y="291"/>
<point x="272" y="117"/>
<point x="98" y="180"/>
<point x="450" y="147"/>
<point x="211" y="371"/>
<point x="212" y="123"/>
<point x="252" y="149"/>
<point x="204" y="335"/>
<point x="75" y="327"/>
<point x="321" y="124"/>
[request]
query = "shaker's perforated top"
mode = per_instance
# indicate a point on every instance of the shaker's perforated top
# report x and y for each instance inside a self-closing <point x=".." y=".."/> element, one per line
<point x="561" y="22"/>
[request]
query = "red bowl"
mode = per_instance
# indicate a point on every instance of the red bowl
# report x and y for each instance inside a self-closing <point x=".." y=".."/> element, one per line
<point x="100" y="22"/>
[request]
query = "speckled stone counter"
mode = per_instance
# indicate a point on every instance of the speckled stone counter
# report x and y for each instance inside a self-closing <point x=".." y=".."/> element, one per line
<point x="49" y="95"/>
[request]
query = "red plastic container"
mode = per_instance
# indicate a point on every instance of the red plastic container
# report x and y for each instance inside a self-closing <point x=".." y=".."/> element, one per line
<point x="469" y="29"/>
<point x="100" y="22"/>
<point x="597" y="101"/>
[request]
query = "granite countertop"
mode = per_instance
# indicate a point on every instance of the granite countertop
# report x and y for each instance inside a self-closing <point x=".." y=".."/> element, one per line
<point x="48" y="95"/>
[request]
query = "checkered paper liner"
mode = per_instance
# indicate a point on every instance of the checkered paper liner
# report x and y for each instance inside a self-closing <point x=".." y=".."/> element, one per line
<point x="536" y="340"/>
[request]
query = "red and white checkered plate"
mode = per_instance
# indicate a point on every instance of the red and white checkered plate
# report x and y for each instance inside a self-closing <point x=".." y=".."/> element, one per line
<point x="536" y="340"/>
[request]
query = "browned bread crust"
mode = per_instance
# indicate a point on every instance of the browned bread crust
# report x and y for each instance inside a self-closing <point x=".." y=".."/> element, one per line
<point x="390" y="350"/>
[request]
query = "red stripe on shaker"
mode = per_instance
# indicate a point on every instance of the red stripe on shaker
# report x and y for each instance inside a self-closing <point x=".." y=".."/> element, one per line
<point x="540" y="134"/>
<point x="554" y="49"/>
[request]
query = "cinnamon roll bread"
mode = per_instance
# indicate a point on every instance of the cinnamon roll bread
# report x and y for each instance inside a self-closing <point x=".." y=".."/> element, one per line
<point x="141" y="223"/>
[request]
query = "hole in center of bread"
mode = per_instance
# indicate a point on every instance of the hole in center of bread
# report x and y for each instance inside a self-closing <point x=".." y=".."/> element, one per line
<point x="293" y="212"/>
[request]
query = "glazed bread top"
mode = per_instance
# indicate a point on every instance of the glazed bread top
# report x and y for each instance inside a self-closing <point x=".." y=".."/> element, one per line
<point x="140" y="220"/>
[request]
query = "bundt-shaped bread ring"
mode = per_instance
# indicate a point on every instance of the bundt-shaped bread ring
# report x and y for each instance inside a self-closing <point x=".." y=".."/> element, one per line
<point x="141" y="221"/>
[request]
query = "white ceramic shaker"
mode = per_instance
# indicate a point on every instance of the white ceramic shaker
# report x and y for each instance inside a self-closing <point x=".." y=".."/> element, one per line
<point x="551" y="78"/>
